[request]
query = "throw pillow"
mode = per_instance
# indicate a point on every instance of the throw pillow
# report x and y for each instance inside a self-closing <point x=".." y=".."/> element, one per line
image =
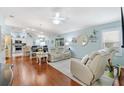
<point x="85" y="59"/>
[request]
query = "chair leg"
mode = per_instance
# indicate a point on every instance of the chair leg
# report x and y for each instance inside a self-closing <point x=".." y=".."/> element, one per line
<point x="47" y="60"/>
<point x="37" y="60"/>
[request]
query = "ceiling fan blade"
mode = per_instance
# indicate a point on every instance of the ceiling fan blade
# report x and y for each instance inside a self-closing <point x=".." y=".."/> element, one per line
<point x="61" y="18"/>
<point x="57" y="18"/>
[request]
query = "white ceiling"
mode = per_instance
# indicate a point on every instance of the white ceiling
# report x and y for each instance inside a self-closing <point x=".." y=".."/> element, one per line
<point x="76" y="18"/>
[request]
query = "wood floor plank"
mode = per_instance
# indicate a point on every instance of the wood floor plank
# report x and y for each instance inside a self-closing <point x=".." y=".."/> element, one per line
<point x="28" y="73"/>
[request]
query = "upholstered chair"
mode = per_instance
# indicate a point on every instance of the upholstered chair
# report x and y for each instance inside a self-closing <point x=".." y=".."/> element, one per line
<point x="90" y="68"/>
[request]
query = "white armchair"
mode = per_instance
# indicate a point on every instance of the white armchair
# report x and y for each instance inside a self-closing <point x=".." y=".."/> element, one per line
<point x="88" y="71"/>
<point x="81" y="72"/>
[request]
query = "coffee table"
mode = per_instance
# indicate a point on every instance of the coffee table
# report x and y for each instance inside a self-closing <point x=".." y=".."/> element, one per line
<point x="42" y="58"/>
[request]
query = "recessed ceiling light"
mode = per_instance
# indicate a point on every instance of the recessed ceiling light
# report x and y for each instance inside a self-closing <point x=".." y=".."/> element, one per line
<point x="27" y="28"/>
<point x="23" y="30"/>
<point x="41" y="36"/>
<point x="32" y="29"/>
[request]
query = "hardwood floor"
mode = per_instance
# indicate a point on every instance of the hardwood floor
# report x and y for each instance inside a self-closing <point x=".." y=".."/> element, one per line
<point x="28" y="72"/>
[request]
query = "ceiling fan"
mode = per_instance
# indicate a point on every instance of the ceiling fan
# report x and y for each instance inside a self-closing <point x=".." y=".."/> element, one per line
<point x="57" y="19"/>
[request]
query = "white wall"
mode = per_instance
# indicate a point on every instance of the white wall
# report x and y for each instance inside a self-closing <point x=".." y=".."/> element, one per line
<point x="27" y="39"/>
<point x="3" y="31"/>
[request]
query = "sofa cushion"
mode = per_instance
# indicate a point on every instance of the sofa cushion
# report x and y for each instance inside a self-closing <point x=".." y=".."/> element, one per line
<point x="85" y="59"/>
<point x="93" y="54"/>
<point x="66" y="50"/>
<point x="91" y="57"/>
<point x="59" y="50"/>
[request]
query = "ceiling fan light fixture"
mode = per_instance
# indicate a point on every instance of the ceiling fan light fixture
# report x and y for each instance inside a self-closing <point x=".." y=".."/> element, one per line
<point x="55" y="21"/>
<point x="57" y="14"/>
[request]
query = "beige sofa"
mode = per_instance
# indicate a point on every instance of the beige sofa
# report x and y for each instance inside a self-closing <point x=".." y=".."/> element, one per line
<point x="90" y="68"/>
<point x="58" y="54"/>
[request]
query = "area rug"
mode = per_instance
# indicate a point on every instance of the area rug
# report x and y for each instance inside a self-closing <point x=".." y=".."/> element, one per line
<point x="64" y="67"/>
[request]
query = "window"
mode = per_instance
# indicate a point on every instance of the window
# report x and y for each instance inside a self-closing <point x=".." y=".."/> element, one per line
<point x="40" y="42"/>
<point x="112" y="39"/>
<point x="59" y="42"/>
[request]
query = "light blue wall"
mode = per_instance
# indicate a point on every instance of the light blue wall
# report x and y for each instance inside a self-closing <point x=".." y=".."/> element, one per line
<point x="79" y="51"/>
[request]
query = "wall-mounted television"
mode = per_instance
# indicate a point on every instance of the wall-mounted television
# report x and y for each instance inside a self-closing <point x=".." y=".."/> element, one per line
<point x="18" y="49"/>
<point x="18" y="41"/>
<point x="122" y="24"/>
<point x="34" y="48"/>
